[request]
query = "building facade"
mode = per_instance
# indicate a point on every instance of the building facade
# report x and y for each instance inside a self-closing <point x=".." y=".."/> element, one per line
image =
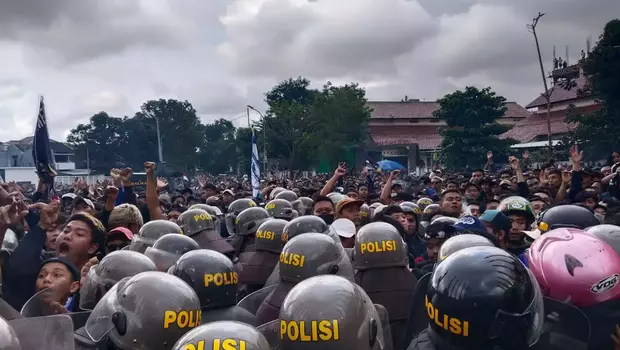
<point x="17" y="163"/>
<point x="407" y="132"/>
<point x="533" y="129"/>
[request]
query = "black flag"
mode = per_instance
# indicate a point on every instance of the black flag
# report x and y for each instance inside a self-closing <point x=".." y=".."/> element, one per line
<point x="42" y="152"/>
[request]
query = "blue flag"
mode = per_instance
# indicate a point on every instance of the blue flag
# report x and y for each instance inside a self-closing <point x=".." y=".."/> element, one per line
<point x="254" y="168"/>
<point x="42" y="152"/>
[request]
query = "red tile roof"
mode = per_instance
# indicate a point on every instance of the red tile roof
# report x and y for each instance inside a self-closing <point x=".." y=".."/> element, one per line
<point x="559" y="94"/>
<point x="424" y="109"/>
<point x="536" y="125"/>
<point x="427" y="137"/>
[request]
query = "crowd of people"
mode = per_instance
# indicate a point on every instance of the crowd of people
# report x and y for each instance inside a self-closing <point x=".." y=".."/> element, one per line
<point x="511" y="258"/>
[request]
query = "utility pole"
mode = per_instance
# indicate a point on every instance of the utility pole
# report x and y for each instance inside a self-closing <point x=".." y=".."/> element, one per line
<point x="547" y="94"/>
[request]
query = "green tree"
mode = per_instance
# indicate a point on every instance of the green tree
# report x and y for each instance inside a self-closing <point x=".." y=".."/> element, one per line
<point x="243" y="150"/>
<point x="102" y="139"/>
<point x="598" y="131"/>
<point x="181" y="131"/>
<point x="218" y="154"/>
<point x="472" y="129"/>
<point x="288" y="122"/>
<point x="303" y="125"/>
<point x="340" y="118"/>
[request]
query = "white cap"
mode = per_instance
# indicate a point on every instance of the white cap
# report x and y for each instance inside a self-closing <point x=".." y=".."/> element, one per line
<point x="69" y="195"/>
<point x="344" y="228"/>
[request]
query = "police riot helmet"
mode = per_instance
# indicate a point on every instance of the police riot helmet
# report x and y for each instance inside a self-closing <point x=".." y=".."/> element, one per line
<point x="287" y="195"/>
<point x="336" y="197"/>
<point x="445" y="219"/>
<point x="347" y="319"/>
<point x="312" y="254"/>
<point x="194" y="221"/>
<point x="430" y="211"/>
<point x="304" y="224"/>
<point x="213" y="201"/>
<point x="498" y="306"/>
<point x="516" y="205"/>
<point x="378" y="209"/>
<point x="460" y="242"/>
<point x="249" y="220"/>
<point x="269" y="236"/>
<point x="415" y="207"/>
<point x="275" y="192"/>
<point x="379" y="245"/>
<point x="168" y="249"/>
<point x="566" y="216"/>
<point x="8" y="338"/>
<point x="303" y="205"/>
<point x="365" y="213"/>
<point x="111" y="269"/>
<point x="234" y="209"/>
<point x="280" y="209"/>
<point x="212" y="276"/>
<point x="424" y="202"/>
<point x="609" y="234"/>
<point x="202" y="206"/>
<point x="150" y="310"/>
<point x="223" y="335"/>
<point x="150" y="232"/>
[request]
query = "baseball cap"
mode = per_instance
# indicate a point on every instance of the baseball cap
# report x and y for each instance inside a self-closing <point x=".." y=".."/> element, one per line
<point x="497" y="219"/>
<point x="230" y="192"/>
<point x="343" y="227"/>
<point x="120" y="231"/>
<point x="346" y="201"/>
<point x="470" y="224"/>
<point x="81" y="200"/>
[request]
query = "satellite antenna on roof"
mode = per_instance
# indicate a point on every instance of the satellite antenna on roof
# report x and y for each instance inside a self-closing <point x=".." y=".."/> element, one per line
<point x="589" y="43"/>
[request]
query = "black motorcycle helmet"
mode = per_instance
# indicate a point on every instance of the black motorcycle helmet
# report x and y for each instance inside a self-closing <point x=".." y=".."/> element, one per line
<point x="234" y="209"/>
<point x="483" y="298"/>
<point x="568" y="216"/>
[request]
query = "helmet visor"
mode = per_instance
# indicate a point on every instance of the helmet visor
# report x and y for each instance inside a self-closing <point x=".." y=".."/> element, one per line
<point x="514" y="328"/>
<point x="231" y="223"/>
<point x="93" y="290"/>
<point x="163" y="260"/>
<point x="99" y="323"/>
<point x="139" y="244"/>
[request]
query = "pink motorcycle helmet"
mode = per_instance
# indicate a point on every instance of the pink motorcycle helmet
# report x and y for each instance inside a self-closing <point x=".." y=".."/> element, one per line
<point x="573" y="266"/>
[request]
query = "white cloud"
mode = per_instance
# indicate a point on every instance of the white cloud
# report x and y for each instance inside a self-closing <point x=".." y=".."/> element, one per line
<point x="221" y="55"/>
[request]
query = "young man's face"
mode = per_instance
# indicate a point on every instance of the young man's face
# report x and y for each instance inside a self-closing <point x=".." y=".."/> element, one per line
<point x="57" y="276"/>
<point x="492" y="205"/>
<point x="50" y="239"/>
<point x="173" y="215"/>
<point x="537" y="206"/>
<point x="351" y="212"/>
<point x="474" y="209"/>
<point x="432" y="248"/>
<point x="400" y="217"/>
<point x="362" y="191"/>
<point x="227" y="198"/>
<point x="323" y="207"/>
<point x="451" y="203"/>
<point x="600" y="211"/>
<point x="75" y="243"/>
<point x="472" y="192"/>
<point x="518" y="224"/>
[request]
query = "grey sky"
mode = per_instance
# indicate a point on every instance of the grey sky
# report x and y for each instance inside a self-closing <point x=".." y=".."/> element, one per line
<point x="86" y="56"/>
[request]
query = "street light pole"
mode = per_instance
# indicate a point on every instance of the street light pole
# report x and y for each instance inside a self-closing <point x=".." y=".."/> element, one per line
<point x="264" y="138"/>
<point x="161" y="155"/>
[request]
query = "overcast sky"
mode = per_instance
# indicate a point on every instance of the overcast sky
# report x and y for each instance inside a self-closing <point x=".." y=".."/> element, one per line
<point x="85" y="56"/>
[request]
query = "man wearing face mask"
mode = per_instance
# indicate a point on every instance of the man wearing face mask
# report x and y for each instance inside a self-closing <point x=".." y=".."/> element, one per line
<point x="323" y="207"/>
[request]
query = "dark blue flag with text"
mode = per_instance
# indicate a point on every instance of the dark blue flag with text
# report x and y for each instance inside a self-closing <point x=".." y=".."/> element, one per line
<point x="42" y="152"/>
